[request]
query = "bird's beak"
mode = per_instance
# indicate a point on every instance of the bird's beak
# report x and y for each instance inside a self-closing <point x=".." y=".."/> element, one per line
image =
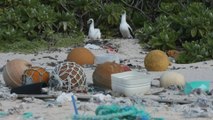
<point x="88" y="22"/>
<point x="123" y="12"/>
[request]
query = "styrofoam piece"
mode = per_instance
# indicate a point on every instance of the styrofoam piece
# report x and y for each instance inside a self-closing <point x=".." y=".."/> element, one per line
<point x="131" y="83"/>
<point x="99" y="59"/>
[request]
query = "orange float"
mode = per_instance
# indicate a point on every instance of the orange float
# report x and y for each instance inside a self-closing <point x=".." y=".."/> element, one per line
<point x="81" y="56"/>
<point x="102" y="74"/>
<point x="173" y="53"/>
<point x="35" y="74"/>
<point x="156" y="60"/>
<point x="13" y="71"/>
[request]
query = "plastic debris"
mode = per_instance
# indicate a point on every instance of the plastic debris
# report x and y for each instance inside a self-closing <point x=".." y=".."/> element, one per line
<point x="87" y="107"/>
<point x="115" y="112"/>
<point x="130" y="83"/>
<point x="100" y="59"/>
<point x="27" y="115"/>
<point x="64" y="97"/>
<point x="15" y="109"/>
<point x="196" y="112"/>
<point x="92" y="46"/>
<point x="3" y="114"/>
<point x="158" y="118"/>
<point x="74" y="104"/>
<point x="102" y="98"/>
<point x="35" y="88"/>
<point x="190" y="86"/>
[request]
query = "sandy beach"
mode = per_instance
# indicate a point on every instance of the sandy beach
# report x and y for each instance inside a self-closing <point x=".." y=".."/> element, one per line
<point x="130" y="51"/>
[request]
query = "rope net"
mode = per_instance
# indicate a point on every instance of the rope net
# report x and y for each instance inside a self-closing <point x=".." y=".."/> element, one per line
<point x="71" y="75"/>
<point x="115" y="112"/>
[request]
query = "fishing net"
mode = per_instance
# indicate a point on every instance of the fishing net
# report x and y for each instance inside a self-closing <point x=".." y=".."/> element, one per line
<point x="71" y="75"/>
<point x="115" y="112"/>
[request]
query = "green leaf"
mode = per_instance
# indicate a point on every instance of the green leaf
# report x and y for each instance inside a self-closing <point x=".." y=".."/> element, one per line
<point x="201" y="32"/>
<point x="194" y="32"/>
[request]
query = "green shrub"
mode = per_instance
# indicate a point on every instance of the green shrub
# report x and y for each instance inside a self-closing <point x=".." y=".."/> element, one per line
<point x="196" y="51"/>
<point x="189" y="27"/>
<point x="194" y="22"/>
<point x="24" y="46"/>
<point x="61" y="23"/>
<point x="27" y="21"/>
<point x="159" y="35"/>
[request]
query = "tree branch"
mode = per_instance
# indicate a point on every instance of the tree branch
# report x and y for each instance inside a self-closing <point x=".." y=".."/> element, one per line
<point x="134" y="7"/>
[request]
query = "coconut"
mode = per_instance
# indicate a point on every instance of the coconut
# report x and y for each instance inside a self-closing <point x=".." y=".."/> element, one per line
<point x="13" y="71"/>
<point x="156" y="60"/>
<point x="172" y="78"/>
<point x="81" y="56"/>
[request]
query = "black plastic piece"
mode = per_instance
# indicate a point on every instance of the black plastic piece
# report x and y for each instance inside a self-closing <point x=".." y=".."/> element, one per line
<point x="30" y="89"/>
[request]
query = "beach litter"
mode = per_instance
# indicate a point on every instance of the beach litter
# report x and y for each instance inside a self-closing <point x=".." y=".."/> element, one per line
<point x="101" y="98"/>
<point x="35" y="74"/>
<point x="27" y="115"/>
<point x="156" y="60"/>
<point x="92" y="46"/>
<point x="168" y="79"/>
<point x="131" y="83"/>
<point x="107" y="57"/>
<point x="102" y="74"/>
<point x="115" y="112"/>
<point x="64" y="97"/>
<point x="35" y="88"/>
<point x="157" y="98"/>
<point x="3" y="114"/>
<point x="203" y="85"/>
<point x="13" y="71"/>
<point x="81" y="56"/>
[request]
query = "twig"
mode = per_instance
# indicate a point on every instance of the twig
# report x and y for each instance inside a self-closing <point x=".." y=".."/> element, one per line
<point x="131" y="6"/>
<point x="81" y="20"/>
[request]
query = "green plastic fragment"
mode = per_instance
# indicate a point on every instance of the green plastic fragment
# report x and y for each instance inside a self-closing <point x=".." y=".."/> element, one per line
<point x="115" y="112"/>
<point x="27" y="115"/>
<point x="157" y="119"/>
<point x="202" y="84"/>
<point x="3" y="114"/>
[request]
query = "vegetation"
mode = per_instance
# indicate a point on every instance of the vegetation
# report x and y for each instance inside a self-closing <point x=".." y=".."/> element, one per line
<point x="182" y="27"/>
<point x="185" y="25"/>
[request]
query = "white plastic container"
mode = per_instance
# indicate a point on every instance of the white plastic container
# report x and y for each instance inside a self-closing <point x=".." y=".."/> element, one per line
<point x="99" y="59"/>
<point x="131" y="83"/>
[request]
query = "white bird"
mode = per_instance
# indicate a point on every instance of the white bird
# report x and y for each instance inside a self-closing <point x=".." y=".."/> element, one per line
<point x="125" y="29"/>
<point x="94" y="33"/>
